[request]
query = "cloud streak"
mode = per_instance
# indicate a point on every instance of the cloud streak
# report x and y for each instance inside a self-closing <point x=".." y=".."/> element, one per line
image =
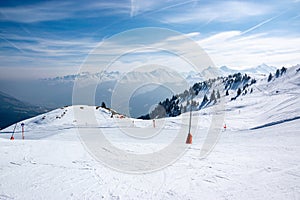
<point x="262" y="23"/>
<point x="225" y="11"/>
<point x="242" y="51"/>
<point x="46" y="46"/>
<point x="57" y="10"/>
<point x="139" y="7"/>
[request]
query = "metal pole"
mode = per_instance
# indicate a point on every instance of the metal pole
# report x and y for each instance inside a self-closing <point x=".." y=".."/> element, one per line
<point x="12" y="135"/>
<point x="189" y="138"/>
<point x="23" y="130"/>
<point x="190" y="123"/>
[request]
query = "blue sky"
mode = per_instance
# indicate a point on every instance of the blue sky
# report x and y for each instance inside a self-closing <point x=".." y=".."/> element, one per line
<point x="53" y="38"/>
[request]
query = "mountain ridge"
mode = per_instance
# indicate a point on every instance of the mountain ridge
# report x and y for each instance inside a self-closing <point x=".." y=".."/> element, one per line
<point x="13" y="110"/>
<point x="208" y="72"/>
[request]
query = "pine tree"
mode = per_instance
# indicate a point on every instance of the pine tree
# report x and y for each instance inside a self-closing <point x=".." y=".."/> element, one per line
<point x="205" y="99"/>
<point x="253" y="81"/>
<point x="239" y="91"/>
<point x="218" y="94"/>
<point x="270" y="77"/>
<point x="277" y="73"/>
<point x="103" y="104"/>
<point x="213" y="96"/>
<point x="283" y="70"/>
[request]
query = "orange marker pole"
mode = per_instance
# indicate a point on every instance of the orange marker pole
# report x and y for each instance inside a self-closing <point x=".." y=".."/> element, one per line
<point x="153" y="123"/>
<point x="12" y="135"/>
<point x="189" y="138"/>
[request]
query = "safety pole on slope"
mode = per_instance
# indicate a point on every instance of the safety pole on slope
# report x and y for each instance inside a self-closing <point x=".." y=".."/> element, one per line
<point x="12" y="135"/>
<point x="189" y="138"/>
<point x="23" y="131"/>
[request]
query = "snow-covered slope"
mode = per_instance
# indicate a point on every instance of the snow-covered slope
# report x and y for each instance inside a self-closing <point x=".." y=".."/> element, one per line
<point x="256" y="157"/>
<point x="258" y="71"/>
<point x="271" y="102"/>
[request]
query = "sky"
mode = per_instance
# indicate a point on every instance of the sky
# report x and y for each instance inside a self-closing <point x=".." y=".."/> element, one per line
<point x="41" y="39"/>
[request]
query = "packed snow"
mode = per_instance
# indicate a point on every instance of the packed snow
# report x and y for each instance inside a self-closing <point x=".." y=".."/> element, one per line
<point x="255" y="157"/>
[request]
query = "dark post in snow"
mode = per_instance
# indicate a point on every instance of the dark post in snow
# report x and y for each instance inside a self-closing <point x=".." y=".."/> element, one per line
<point x="23" y="130"/>
<point x="189" y="138"/>
<point x="190" y="122"/>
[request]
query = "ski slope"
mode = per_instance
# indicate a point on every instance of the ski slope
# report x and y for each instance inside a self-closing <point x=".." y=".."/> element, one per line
<point x="256" y="157"/>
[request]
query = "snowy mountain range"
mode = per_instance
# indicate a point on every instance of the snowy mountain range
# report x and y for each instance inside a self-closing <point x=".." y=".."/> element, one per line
<point x="162" y="75"/>
<point x="261" y="69"/>
<point x="57" y="92"/>
<point x="282" y="91"/>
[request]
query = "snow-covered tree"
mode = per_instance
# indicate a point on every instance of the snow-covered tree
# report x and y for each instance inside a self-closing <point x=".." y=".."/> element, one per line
<point x="239" y="91"/>
<point x="283" y="70"/>
<point x="103" y="105"/>
<point x="204" y="101"/>
<point x="270" y="77"/>
<point x="277" y="73"/>
<point x="218" y="94"/>
<point x="213" y="96"/>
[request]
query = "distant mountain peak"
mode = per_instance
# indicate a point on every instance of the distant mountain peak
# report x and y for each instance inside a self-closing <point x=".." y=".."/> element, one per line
<point x="260" y="69"/>
<point x="264" y="68"/>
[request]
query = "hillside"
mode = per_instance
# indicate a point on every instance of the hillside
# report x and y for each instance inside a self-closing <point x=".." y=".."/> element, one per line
<point x="12" y="110"/>
<point x="229" y="88"/>
<point x="255" y="157"/>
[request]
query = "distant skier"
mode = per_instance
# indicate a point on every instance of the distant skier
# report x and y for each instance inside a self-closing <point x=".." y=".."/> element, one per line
<point x="225" y="127"/>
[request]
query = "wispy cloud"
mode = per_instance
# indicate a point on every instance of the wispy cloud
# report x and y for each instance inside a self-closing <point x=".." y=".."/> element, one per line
<point x="240" y="51"/>
<point x="35" y="57"/>
<point x="220" y="27"/>
<point x="145" y="6"/>
<point x="225" y="11"/>
<point x="35" y="13"/>
<point x="231" y="48"/>
<point x="262" y="23"/>
<point x="47" y="46"/>
<point x="57" y="10"/>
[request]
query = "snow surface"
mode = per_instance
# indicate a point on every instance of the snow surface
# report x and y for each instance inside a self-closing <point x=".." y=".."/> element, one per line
<point x="256" y="157"/>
